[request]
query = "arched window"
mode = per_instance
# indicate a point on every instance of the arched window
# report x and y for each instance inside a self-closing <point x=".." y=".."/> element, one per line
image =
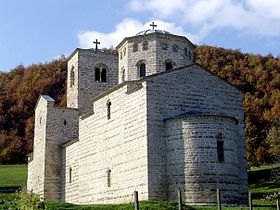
<point x="175" y="48"/>
<point x="109" y="178"/>
<point x="220" y="147"/>
<point x="123" y="74"/>
<point x="72" y="76"/>
<point x="109" y="109"/>
<point x="124" y="51"/>
<point x="97" y="74"/>
<point x="104" y="75"/>
<point x="169" y="64"/>
<point x="64" y="122"/>
<point x="70" y="175"/>
<point x="145" y="45"/>
<point x="142" y="70"/>
<point x="135" y="47"/>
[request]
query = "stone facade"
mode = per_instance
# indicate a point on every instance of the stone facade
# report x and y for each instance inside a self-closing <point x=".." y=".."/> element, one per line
<point x="176" y="127"/>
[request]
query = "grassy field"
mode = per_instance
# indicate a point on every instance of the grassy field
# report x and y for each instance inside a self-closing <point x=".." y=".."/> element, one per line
<point x="261" y="183"/>
<point x="13" y="175"/>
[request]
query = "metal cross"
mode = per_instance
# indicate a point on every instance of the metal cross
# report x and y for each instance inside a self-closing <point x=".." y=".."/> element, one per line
<point x="96" y="42"/>
<point x="153" y="25"/>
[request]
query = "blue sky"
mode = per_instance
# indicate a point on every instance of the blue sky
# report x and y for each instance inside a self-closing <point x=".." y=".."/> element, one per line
<point x="34" y="31"/>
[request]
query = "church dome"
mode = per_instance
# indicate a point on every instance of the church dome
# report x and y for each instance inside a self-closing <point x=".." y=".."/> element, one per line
<point x="152" y="31"/>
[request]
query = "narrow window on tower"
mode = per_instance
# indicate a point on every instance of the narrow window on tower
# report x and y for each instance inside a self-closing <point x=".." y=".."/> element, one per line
<point x="109" y="109"/>
<point x="142" y="70"/>
<point x="72" y="76"/>
<point x="123" y="75"/>
<point x="97" y="74"/>
<point x="220" y="147"/>
<point x="109" y="178"/>
<point x="104" y="75"/>
<point x="70" y="175"/>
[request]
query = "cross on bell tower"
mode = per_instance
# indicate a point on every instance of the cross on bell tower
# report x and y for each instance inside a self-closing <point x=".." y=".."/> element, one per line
<point x="96" y="42"/>
<point x="153" y="25"/>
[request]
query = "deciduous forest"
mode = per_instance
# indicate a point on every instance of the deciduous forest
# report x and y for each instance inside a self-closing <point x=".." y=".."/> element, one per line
<point x="258" y="77"/>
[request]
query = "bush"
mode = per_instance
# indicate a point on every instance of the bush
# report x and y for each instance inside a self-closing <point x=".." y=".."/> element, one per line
<point x="29" y="201"/>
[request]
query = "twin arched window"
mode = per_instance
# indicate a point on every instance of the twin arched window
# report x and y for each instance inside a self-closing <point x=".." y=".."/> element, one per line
<point x="100" y="74"/>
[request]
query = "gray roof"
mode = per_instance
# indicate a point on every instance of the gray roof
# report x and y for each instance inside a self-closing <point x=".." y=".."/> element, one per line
<point x="151" y="31"/>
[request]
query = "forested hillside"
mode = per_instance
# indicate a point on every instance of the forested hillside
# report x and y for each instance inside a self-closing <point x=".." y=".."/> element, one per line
<point x="257" y="76"/>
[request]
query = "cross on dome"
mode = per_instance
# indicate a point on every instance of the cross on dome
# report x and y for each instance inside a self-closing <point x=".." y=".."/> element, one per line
<point x="153" y="25"/>
<point x="96" y="42"/>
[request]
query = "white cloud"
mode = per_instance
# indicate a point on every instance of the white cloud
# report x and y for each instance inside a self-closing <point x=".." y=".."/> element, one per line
<point x="257" y="17"/>
<point x="128" y="27"/>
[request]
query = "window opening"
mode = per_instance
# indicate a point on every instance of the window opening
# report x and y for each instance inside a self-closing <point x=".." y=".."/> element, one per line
<point x="72" y="76"/>
<point x="103" y="75"/>
<point x="220" y="147"/>
<point x="70" y="175"/>
<point x="108" y="178"/>
<point x="123" y="75"/>
<point x="97" y="74"/>
<point x="109" y="109"/>
<point x="142" y="69"/>
<point x="135" y="47"/>
<point x="168" y="66"/>
<point x="145" y="46"/>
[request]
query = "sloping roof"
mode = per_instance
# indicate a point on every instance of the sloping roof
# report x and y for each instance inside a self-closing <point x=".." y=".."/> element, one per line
<point x="46" y="98"/>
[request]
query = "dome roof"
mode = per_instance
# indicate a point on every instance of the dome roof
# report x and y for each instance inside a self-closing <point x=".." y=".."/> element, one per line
<point x="151" y="31"/>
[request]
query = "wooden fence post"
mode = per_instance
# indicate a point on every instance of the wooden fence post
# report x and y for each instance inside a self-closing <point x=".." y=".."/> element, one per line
<point x="180" y="199"/>
<point x="250" y="201"/>
<point x="136" y="202"/>
<point x="219" y="199"/>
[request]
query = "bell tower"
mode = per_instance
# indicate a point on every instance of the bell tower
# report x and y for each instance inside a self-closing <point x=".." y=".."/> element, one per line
<point x="90" y="72"/>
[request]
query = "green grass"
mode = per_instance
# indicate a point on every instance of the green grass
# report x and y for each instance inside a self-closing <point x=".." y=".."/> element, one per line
<point x="261" y="182"/>
<point x="13" y="175"/>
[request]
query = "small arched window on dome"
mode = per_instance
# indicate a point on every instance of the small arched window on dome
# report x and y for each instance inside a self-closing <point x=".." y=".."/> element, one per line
<point x="72" y="76"/>
<point x="135" y="47"/>
<point x="109" y="109"/>
<point x="175" y="48"/>
<point x="145" y="46"/>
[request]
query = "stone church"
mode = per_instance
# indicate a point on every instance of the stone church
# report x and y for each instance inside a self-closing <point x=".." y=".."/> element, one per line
<point x="147" y="119"/>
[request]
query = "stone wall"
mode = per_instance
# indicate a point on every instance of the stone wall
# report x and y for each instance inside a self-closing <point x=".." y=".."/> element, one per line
<point x="179" y="91"/>
<point x="54" y="126"/>
<point x="112" y="153"/>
